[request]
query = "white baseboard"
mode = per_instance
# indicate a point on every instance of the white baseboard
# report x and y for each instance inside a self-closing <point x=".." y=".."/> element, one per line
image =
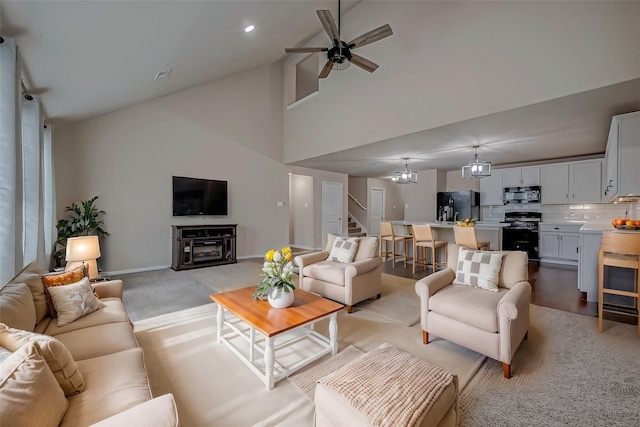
<point x="134" y="270"/>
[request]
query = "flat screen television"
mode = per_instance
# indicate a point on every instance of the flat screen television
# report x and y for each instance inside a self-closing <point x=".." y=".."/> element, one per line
<point x="194" y="196"/>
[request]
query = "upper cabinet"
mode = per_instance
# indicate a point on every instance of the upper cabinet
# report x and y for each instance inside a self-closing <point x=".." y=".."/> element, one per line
<point x="521" y="177"/>
<point x="576" y="182"/>
<point x="622" y="174"/>
<point x="491" y="189"/>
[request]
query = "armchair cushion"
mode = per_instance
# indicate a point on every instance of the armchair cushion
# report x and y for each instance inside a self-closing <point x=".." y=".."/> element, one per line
<point x="471" y="306"/>
<point x="478" y="269"/>
<point x="344" y="249"/>
<point x="327" y="271"/>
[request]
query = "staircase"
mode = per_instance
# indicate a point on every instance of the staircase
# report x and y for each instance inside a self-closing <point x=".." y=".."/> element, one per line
<point x="354" y="230"/>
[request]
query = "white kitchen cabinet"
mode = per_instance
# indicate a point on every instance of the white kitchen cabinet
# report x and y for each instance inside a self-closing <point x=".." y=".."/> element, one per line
<point x="521" y="177"/>
<point x="560" y="243"/>
<point x="491" y="189"/>
<point x="574" y="182"/>
<point x="588" y="265"/>
<point x="621" y="157"/>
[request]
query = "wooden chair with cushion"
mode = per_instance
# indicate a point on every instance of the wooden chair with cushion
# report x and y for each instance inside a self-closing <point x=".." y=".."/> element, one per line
<point x="423" y="239"/>
<point x="387" y="236"/>
<point x="466" y="236"/>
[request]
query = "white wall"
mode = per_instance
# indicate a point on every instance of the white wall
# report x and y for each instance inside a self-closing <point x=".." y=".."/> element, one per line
<point x="229" y="130"/>
<point x="421" y="198"/>
<point x="455" y="182"/>
<point x="452" y="61"/>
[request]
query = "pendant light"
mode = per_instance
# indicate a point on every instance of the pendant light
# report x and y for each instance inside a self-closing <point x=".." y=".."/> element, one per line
<point x="406" y="176"/>
<point x="476" y="168"/>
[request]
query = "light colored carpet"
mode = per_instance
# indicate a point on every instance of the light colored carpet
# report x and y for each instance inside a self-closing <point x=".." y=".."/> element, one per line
<point x="213" y="387"/>
<point x="399" y="302"/>
<point x="566" y="373"/>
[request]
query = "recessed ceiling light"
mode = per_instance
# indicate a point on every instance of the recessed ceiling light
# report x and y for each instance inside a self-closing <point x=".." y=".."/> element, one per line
<point x="249" y="29"/>
<point x="163" y="74"/>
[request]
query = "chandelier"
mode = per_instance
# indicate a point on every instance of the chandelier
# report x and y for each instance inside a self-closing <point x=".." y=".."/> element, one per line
<point x="476" y="168"/>
<point x="406" y="176"/>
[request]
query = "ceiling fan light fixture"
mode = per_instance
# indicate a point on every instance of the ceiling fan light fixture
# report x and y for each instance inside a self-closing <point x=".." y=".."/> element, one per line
<point x="476" y="168"/>
<point x="406" y="176"/>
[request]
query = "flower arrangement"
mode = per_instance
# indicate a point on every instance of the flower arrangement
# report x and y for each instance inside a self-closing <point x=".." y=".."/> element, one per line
<point x="277" y="271"/>
<point x="468" y="222"/>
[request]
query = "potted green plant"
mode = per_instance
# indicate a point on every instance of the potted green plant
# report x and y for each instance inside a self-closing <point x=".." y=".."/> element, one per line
<point x="277" y="271"/>
<point x="84" y="220"/>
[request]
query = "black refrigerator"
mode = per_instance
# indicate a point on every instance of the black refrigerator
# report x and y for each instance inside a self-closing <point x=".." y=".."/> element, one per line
<point x="465" y="203"/>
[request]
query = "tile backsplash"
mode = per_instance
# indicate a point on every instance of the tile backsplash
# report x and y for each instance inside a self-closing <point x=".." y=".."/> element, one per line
<point x="592" y="212"/>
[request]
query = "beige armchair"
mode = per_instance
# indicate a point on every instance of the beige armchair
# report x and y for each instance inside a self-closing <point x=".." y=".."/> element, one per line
<point x="491" y="323"/>
<point x="347" y="283"/>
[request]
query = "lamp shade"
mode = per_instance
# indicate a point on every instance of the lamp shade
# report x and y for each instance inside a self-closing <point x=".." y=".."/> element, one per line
<point x="406" y="176"/>
<point x="476" y="168"/>
<point x="82" y="248"/>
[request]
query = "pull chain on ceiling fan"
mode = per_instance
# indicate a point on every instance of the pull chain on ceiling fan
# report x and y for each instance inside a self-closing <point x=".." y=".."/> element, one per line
<point x="339" y="55"/>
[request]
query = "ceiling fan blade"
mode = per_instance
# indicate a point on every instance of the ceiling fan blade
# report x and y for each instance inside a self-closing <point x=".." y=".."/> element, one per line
<point x="329" y="24"/>
<point x="370" y="37"/>
<point x="305" y="49"/>
<point x="326" y="70"/>
<point x="363" y="63"/>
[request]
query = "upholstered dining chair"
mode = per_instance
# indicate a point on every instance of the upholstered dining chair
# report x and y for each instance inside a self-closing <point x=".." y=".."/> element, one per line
<point x="387" y="236"/>
<point x="423" y="241"/>
<point x="466" y="236"/>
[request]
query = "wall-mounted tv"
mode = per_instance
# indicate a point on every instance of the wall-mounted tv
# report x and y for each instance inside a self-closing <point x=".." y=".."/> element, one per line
<point x="193" y="196"/>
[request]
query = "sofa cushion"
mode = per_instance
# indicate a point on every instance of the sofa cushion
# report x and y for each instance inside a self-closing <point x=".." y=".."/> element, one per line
<point x="74" y="301"/>
<point x="98" y="340"/>
<point x="367" y="248"/>
<point x="158" y="412"/>
<point x="327" y="271"/>
<point x="344" y="249"/>
<point x="479" y="269"/>
<point x="56" y="355"/>
<point x="472" y="306"/>
<point x="60" y="279"/>
<point x="31" y="276"/>
<point x="29" y="393"/>
<point x="113" y="312"/>
<point x="114" y="383"/>
<point x="16" y="306"/>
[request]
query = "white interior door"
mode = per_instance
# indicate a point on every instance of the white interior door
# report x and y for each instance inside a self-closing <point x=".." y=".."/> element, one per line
<point x="377" y="211"/>
<point x="331" y="208"/>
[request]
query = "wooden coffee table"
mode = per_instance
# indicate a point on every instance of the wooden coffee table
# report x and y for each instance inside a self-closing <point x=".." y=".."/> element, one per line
<point x="287" y="325"/>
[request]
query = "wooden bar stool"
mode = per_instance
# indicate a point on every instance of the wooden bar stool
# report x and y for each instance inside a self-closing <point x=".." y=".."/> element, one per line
<point x="423" y="238"/>
<point x="618" y="250"/>
<point x="466" y="236"/>
<point x="388" y="236"/>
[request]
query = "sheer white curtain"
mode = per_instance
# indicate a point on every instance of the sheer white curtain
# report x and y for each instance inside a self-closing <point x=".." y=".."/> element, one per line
<point x="27" y="205"/>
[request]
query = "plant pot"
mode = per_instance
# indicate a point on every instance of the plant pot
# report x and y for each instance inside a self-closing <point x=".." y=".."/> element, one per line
<point x="279" y="298"/>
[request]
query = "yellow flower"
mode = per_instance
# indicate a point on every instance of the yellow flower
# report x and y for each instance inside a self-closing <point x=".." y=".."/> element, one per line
<point x="288" y="256"/>
<point x="269" y="255"/>
<point x="286" y="250"/>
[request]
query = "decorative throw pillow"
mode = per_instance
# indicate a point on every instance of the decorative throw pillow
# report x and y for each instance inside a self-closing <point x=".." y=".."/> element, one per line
<point x="74" y="301"/>
<point x="57" y="356"/>
<point x="60" y="279"/>
<point x="478" y="269"/>
<point x="344" y="249"/>
<point x="29" y="393"/>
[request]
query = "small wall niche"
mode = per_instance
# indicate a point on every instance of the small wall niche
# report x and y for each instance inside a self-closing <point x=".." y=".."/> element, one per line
<point x="307" y="76"/>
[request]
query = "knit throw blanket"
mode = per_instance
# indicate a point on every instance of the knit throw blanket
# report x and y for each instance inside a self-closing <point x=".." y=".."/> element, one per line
<point x="389" y="386"/>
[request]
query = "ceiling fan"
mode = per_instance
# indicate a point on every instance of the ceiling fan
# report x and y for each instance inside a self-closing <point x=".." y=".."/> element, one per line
<point x="339" y="55"/>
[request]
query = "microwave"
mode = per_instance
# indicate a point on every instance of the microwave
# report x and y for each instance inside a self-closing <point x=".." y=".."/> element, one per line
<point x="521" y="195"/>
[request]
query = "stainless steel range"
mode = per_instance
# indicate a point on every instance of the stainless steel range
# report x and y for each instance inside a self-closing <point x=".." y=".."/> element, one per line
<point x="522" y="233"/>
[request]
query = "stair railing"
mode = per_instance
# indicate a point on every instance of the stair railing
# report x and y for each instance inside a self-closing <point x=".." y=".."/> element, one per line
<point x="357" y="201"/>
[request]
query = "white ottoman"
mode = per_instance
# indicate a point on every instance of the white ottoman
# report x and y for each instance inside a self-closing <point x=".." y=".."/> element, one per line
<point x="387" y="387"/>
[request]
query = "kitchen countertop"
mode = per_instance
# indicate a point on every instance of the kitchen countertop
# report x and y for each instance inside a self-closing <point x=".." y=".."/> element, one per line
<point x="486" y="225"/>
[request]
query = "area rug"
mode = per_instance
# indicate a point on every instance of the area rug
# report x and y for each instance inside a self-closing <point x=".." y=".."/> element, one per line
<point x="305" y="379"/>
<point x="213" y="387"/>
<point x="566" y="373"/>
<point x="398" y="303"/>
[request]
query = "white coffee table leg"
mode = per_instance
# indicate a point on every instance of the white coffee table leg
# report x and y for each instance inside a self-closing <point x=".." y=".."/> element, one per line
<point x="220" y="320"/>
<point x="269" y="360"/>
<point x="333" y="333"/>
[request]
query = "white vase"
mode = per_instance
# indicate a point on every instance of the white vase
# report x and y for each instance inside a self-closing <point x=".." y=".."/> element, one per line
<point x="279" y="298"/>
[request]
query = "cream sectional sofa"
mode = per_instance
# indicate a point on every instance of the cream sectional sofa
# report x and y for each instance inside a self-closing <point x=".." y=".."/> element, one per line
<point x="106" y="352"/>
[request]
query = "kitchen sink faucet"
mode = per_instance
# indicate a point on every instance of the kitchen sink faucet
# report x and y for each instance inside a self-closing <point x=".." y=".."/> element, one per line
<point x="455" y="217"/>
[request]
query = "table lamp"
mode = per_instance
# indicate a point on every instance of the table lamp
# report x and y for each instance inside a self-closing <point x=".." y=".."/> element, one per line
<point x="83" y="250"/>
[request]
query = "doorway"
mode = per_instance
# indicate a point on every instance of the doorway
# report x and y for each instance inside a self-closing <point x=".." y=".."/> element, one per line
<point x="377" y="211"/>
<point x="331" y="208"/>
<point x="301" y="228"/>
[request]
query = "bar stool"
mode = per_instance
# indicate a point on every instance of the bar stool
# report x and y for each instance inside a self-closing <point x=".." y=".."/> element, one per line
<point x="618" y="250"/>
<point x="388" y="236"/>
<point x="423" y="238"/>
<point x="466" y="236"/>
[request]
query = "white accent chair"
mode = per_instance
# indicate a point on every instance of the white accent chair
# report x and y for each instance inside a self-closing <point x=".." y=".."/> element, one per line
<point x="346" y="283"/>
<point x="491" y="323"/>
